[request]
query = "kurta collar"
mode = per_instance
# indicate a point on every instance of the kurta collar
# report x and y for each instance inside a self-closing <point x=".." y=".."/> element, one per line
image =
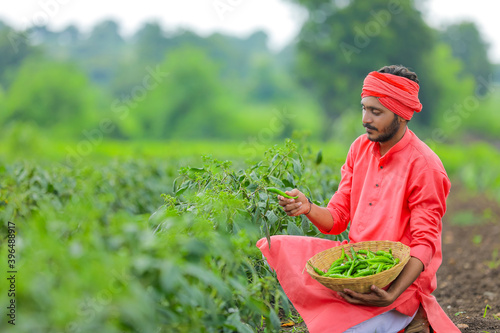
<point x="397" y="147"/>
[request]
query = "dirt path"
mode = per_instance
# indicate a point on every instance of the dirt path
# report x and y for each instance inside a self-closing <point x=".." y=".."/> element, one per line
<point x="469" y="277"/>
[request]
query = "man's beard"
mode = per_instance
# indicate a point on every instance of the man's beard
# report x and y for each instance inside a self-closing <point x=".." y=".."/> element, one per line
<point x="389" y="132"/>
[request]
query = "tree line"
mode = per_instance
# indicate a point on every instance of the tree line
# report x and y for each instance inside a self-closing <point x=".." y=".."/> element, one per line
<point x="160" y="84"/>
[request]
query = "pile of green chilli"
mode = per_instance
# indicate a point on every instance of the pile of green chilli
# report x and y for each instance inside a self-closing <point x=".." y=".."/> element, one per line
<point x="362" y="263"/>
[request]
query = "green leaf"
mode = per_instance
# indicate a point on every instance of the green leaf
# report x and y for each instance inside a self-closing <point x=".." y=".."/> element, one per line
<point x="234" y="322"/>
<point x="277" y="181"/>
<point x="293" y="229"/>
<point x="254" y="176"/>
<point x="208" y="278"/>
<point x="319" y="157"/>
<point x="255" y="166"/>
<point x="174" y="187"/>
<point x="297" y="167"/>
<point x="252" y="187"/>
<point x="284" y="301"/>
<point x="256" y="215"/>
<point x="268" y="235"/>
<point x="274" y="319"/>
<point x="181" y="190"/>
<point x="291" y="180"/>
<point x="275" y="157"/>
<point x="286" y="180"/>
<point x="271" y="217"/>
<point x="170" y="277"/>
<point x="304" y="224"/>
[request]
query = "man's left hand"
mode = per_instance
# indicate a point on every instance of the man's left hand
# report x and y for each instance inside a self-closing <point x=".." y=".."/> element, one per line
<point x="377" y="297"/>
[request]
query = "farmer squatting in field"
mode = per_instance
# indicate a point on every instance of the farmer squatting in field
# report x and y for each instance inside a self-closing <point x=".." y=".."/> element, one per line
<point x="393" y="187"/>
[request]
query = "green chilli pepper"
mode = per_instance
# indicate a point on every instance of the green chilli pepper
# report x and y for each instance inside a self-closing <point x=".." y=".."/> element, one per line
<point x="385" y="254"/>
<point x="335" y="264"/>
<point x="275" y="190"/>
<point x="336" y="276"/>
<point x="343" y="254"/>
<point x="339" y="269"/>
<point x="317" y="270"/>
<point x="353" y="252"/>
<point x="363" y="263"/>
<point x="364" y="272"/>
<point x="351" y="268"/>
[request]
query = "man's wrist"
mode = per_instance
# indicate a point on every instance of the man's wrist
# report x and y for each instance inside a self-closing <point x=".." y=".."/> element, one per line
<point x="393" y="296"/>
<point x="310" y="206"/>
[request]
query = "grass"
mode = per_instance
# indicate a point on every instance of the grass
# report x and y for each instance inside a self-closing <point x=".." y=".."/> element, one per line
<point x="295" y="318"/>
<point x="466" y="217"/>
<point x="495" y="260"/>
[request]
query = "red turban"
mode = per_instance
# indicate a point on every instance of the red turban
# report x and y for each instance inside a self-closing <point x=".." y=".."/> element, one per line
<point x="397" y="93"/>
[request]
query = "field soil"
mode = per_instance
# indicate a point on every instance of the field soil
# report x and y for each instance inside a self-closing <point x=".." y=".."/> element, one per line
<point x="469" y="277"/>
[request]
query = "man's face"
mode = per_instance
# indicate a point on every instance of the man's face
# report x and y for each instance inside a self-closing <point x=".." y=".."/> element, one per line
<point x="381" y="123"/>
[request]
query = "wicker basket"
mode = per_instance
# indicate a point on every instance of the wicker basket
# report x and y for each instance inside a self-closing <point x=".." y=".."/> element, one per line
<point x="324" y="259"/>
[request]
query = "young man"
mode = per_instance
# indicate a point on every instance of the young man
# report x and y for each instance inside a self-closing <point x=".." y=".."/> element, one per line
<point x="393" y="187"/>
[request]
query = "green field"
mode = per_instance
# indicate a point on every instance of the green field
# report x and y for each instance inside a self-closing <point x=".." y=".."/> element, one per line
<point x="159" y="237"/>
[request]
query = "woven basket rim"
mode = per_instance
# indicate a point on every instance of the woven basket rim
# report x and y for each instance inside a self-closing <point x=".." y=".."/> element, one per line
<point x="362" y="282"/>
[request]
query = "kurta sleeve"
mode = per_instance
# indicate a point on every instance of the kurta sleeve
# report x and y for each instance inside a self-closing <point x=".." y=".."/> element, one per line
<point x="427" y="204"/>
<point x="340" y="203"/>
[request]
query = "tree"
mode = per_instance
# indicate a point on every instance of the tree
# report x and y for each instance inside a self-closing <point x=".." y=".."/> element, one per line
<point x="103" y="52"/>
<point x="15" y="47"/>
<point x="49" y="95"/>
<point x="452" y="89"/>
<point x="150" y="43"/>
<point x="467" y="45"/>
<point x="189" y="102"/>
<point x="338" y="46"/>
<point x="2" y="105"/>
<point x="269" y="83"/>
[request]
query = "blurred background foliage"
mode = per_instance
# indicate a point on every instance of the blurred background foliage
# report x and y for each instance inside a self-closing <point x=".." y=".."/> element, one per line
<point x="158" y="84"/>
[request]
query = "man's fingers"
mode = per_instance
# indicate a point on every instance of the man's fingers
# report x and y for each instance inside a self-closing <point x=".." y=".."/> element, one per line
<point x="378" y="291"/>
<point x="285" y="201"/>
<point x="293" y="206"/>
<point x="352" y="294"/>
<point x="378" y="297"/>
<point x="349" y="298"/>
<point x="294" y="212"/>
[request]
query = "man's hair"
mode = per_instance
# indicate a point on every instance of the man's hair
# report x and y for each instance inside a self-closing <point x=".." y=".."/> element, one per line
<point x="399" y="70"/>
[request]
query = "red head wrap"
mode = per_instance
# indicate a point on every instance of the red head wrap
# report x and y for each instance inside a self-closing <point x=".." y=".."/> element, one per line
<point x="397" y="93"/>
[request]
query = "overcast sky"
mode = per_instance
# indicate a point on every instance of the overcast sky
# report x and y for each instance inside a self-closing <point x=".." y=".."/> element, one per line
<point x="278" y="18"/>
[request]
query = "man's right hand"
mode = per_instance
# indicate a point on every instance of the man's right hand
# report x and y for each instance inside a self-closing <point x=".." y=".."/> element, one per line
<point x="319" y="216"/>
<point x="295" y="207"/>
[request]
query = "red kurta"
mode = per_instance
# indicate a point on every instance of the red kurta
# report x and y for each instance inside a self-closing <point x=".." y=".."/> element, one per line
<point x="400" y="196"/>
